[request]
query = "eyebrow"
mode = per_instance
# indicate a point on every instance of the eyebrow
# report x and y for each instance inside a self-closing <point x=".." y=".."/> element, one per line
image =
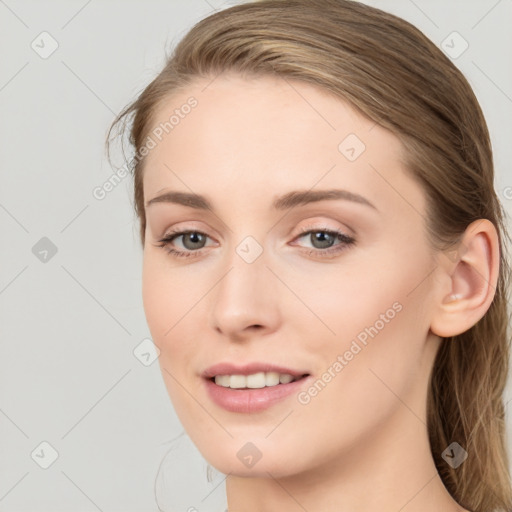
<point x="285" y="202"/>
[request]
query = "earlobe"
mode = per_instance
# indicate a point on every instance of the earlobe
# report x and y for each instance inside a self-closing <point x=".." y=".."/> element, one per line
<point x="471" y="276"/>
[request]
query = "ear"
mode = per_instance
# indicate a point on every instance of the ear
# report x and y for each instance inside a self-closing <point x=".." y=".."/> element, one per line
<point x="468" y="280"/>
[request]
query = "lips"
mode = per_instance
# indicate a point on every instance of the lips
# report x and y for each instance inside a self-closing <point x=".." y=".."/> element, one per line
<point x="249" y="369"/>
<point x="245" y="399"/>
<point x="249" y="400"/>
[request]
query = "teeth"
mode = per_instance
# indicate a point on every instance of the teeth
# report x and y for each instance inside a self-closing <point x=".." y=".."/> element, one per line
<point x="272" y="379"/>
<point x="254" y="381"/>
<point x="285" y="378"/>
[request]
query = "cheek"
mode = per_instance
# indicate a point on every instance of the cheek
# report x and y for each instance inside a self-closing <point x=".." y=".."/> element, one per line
<point x="375" y="317"/>
<point x="156" y="300"/>
<point x="166" y="300"/>
<point x="165" y="293"/>
<point x="352" y="301"/>
<point x="174" y="309"/>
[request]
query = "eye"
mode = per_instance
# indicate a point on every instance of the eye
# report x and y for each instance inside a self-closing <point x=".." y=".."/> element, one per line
<point x="192" y="241"/>
<point x="323" y="241"/>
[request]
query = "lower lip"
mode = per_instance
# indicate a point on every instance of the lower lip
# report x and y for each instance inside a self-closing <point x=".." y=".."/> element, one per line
<point x="251" y="400"/>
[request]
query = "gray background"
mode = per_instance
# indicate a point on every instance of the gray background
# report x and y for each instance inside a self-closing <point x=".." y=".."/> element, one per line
<point x="70" y="321"/>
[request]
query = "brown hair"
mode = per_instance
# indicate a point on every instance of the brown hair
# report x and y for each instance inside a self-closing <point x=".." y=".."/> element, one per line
<point x="393" y="74"/>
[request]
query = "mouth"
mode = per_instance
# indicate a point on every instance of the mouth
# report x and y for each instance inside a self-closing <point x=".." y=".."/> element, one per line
<point x="257" y="380"/>
<point x="254" y="387"/>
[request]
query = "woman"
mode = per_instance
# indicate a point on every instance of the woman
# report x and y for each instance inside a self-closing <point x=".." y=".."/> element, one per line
<point x="324" y="261"/>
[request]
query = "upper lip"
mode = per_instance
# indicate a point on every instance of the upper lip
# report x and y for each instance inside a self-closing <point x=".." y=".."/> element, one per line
<point x="248" y="369"/>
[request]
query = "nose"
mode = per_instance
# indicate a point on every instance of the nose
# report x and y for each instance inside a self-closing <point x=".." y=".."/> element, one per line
<point x="246" y="300"/>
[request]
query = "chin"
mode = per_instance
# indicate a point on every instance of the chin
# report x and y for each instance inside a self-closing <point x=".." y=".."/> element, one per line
<point x="257" y="459"/>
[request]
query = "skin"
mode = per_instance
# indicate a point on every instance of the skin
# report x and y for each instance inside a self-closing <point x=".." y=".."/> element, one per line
<point x="361" y="443"/>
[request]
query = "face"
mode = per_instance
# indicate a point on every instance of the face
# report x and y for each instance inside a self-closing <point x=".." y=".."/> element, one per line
<point x="280" y="281"/>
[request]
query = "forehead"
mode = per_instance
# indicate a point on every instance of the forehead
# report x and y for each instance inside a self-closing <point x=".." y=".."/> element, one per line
<point x="266" y="110"/>
<point x="249" y="138"/>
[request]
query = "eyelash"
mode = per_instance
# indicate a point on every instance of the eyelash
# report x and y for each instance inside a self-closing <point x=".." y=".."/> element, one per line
<point x="346" y="241"/>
